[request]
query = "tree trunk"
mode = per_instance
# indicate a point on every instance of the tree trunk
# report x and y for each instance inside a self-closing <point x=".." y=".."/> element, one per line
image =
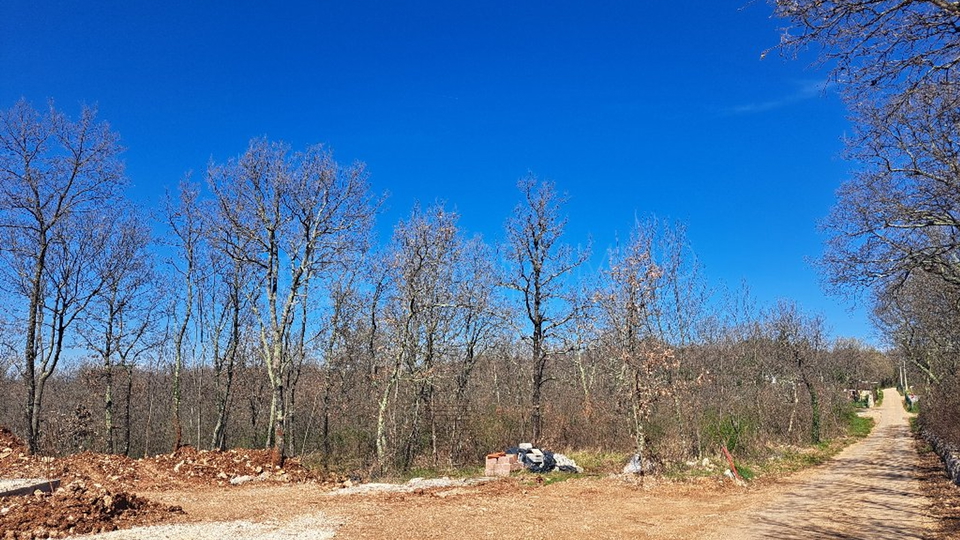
<point x="108" y="406"/>
<point x="30" y="351"/>
<point x="279" y="441"/>
<point x="639" y="433"/>
<point x="108" y="376"/>
<point x="126" y="409"/>
<point x="793" y="409"/>
<point x="539" y="365"/>
<point x="382" y="416"/>
<point x="178" y="362"/>
<point x="814" y="412"/>
<point x="325" y="425"/>
<point x="58" y="332"/>
<point x="223" y="410"/>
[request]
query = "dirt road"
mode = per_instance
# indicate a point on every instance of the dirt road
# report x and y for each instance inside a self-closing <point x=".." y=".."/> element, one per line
<point x="868" y="491"/>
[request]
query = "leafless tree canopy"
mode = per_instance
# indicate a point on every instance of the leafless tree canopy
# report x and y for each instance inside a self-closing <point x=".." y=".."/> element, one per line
<point x="539" y="263"/>
<point x="877" y="45"/>
<point x="57" y="180"/>
<point x="264" y="314"/>
<point x="901" y="212"/>
<point x="290" y="217"/>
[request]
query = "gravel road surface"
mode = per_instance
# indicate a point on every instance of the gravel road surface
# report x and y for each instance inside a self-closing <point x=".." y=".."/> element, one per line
<point x="870" y="490"/>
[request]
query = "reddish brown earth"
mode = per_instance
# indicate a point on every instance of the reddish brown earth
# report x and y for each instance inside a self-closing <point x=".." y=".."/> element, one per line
<point x="878" y="488"/>
<point x="98" y="491"/>
<point x="185" y="468"/>
<point x="77" y="508"/>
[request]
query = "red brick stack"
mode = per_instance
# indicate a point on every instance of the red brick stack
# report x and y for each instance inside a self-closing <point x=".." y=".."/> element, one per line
<point x="501" y="464"/>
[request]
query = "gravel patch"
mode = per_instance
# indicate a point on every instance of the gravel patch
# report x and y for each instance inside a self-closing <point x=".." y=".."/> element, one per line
<point x="411" y="486"/>
<point x="313" y="527"/>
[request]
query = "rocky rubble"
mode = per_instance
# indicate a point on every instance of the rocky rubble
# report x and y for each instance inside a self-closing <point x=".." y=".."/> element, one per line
<point x="184" y="468"/>
<point x="96" y="489"/>
<point x="76" y="508"/>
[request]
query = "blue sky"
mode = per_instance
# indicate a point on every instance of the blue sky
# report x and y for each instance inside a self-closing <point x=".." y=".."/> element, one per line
<point x="632" y="108"/>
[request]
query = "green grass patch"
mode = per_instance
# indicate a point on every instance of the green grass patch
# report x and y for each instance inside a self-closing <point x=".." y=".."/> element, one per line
<point x="598" y="461"/>
<point x="790" y="459"/>
<point x="860" y="426"/>
<point x="746" y="472"/>
<point x="730" y="430"/>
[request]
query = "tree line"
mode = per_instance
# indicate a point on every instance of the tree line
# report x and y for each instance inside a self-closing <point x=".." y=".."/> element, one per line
<point x="258" y="310"/>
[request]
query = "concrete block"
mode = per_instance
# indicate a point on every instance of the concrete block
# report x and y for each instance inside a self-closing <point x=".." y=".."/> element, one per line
<point x="491" y="467"/>
<point x="510" y="460"/>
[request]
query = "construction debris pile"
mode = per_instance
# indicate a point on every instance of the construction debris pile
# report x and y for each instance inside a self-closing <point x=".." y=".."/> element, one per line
<point x="525" y="456"/>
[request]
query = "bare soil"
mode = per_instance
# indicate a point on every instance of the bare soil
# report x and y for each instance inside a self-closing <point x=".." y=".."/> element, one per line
<point x="880" y="487"/>
<point x="185" y="468"/>
<point x="76" y="509"/>
<point x="101" y="492"/>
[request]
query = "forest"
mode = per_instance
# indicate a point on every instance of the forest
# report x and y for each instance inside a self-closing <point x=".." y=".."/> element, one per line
<point x="254" y="309"/>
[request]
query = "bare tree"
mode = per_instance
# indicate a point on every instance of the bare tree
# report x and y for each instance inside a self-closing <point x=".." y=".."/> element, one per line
<point x="901" y="213"/>
<point x="539" y="267"/>
<point x="425" y="254"/>
<point x="184" y="217"/>
<point x="895" y="60"/>
<point x="228" y="292"/>
<point x="801" y="343"/>
<point x="482" y="316"/>
<point x="896" y="222"/>
<point x="120" y="316"/>
<point x="343" y="346"/>
<point x="631" y="306"/>
<point x="293" y="215"/>
<point x="586" y="338"/>
<point x="57" y="178"/>
<point x="683" y="306"/>
<point x="920" y="318"/>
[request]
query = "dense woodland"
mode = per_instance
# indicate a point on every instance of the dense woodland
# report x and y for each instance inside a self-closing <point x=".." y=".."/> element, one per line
<point x="254" y="307"/>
